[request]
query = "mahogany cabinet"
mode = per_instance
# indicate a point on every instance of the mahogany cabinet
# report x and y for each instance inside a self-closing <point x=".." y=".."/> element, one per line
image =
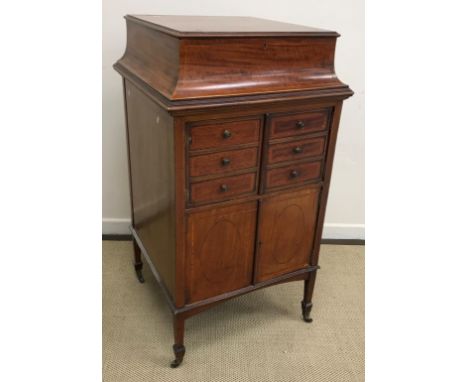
<point x="231" y="131"/>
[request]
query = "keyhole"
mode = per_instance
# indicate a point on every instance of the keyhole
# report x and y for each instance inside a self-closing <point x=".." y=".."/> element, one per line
<point x="264" y="45"/>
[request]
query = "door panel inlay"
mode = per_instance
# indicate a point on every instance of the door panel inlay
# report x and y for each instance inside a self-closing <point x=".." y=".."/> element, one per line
<point x="220" y="250"/>
<point x="288" y="240"/>
<point x="219" y="262"/>
<point x="286" y="231"/>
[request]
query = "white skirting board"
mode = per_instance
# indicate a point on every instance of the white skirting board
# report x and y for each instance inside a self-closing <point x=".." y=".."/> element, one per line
<point x="343" y="231"/>
<point x="113" y="226"/>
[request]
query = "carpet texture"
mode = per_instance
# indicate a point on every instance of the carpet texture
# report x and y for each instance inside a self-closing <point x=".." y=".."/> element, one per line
<point x="256" y="337"/>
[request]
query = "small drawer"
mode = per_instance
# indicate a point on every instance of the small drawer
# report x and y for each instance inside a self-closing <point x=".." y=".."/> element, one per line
<point x="293" y="174"/>
<point x="298" y="124"/>
<point x="222" y="188"/>
<point x="223" y="162"/>
<point x="283" y="152"/>
<point x="224" y="134"/>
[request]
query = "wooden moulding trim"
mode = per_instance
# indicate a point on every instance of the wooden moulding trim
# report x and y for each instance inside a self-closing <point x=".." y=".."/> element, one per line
<point x="225" y="296"/>
<point x="338" y="93"/>
<point x="179" y="34"/>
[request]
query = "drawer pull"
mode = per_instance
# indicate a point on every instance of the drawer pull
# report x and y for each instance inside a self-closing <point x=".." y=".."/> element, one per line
<point x="300" y="124"/>
<point x="297" y="150"/>
<point x="225" y="161"/>
<point x="223" y="187"/>
<point x="294" y="174"/>
<point x="226" y="134"/>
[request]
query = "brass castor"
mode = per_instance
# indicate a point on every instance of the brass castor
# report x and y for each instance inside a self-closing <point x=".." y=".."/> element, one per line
<point x="306" y="309"/>
<point x="139" y="273"/>
<point x="179" y="351"/>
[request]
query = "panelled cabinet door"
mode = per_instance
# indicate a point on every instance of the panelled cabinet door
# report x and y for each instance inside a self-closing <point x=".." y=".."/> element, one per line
<point x="286" y="231"/>
<point x="220" y="250"/>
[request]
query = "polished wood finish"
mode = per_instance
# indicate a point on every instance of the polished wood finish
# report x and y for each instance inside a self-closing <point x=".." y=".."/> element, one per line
<point x="162" y="57"/>
<point x="223" y="162"/>
<point x="220" y="250"/>
<point x="296" y="150"/>
<point x="180" y="160"/>
<point x="223" y="188"/>
<point x="298" y="124"/>
<point x="224" y="134"/>
<point x="151" y="152"/>
<point x="286" y="229"/>
<point x="224" y="26"/>
<point x="183" y="65"/>
<point x="282" y="63"/>
<point x="293" y="174"/>
<point x="231" y="129"/>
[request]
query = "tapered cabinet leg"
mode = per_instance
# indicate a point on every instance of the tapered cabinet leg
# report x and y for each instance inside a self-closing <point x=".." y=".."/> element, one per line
<point x="306" y="303"/>
<point x="137" y="261"/>
<point x="179" y="348"/>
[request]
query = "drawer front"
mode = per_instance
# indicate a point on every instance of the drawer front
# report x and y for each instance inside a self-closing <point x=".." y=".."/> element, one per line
<point x="223" y="162"/>
<point x="298" y="124"/>
<point x="222" y="188"/>
<point x="293" y="174"/>
<point x="224" y="134"/>
<point x="283" y="152"/>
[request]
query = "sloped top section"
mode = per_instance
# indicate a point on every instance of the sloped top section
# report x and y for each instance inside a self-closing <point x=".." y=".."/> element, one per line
<point x="205" y="58"/>
<point x="212" y="26"/>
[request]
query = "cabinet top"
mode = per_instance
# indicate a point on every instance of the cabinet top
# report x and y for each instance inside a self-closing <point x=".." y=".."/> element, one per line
<point x="192" y="61"/>
<point x="211" y="26"/>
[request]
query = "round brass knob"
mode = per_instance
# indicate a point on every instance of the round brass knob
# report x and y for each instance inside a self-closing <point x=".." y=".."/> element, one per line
<point x="225" y="161"/>
<point x="300" y="124"/>
<point x="223" y="187"/>
<point x="297" y="150"/>
<point x="294" y="174"/>
<point x="226" y="134"/>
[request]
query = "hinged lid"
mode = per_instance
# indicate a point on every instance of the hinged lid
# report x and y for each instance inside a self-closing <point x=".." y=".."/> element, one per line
<point x="197" y="58"/>
<point x="222" y="26"/>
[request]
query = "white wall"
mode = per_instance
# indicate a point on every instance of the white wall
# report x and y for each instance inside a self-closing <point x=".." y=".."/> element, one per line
<point x="345" y="211"/>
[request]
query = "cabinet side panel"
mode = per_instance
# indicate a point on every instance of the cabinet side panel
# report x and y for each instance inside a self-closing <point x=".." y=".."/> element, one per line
<point x="151" y="146"/>
<point x="330" y="154"/>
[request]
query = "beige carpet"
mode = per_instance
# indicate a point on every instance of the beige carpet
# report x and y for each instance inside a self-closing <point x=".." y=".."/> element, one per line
<point x="256" y="337"/>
